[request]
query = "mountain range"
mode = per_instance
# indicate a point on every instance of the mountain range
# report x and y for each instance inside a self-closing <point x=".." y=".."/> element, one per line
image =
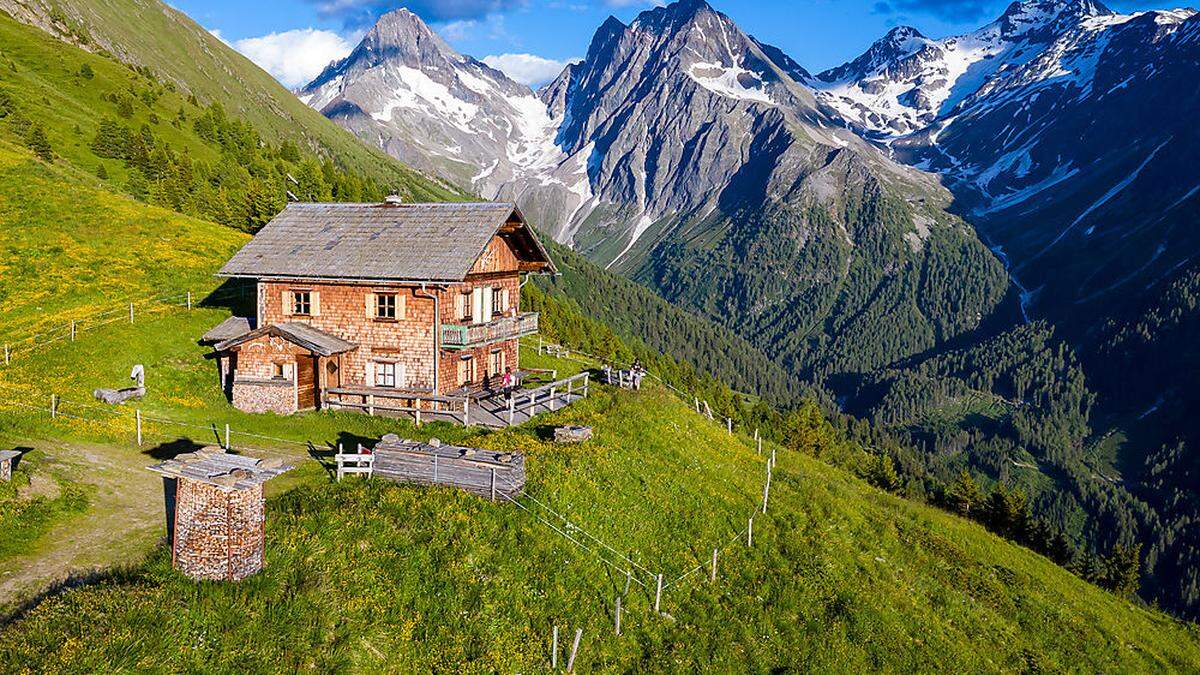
<point x="985" y="216"/>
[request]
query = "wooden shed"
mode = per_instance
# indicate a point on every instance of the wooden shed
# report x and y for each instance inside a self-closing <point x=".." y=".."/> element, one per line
<point x="217" y="519"/>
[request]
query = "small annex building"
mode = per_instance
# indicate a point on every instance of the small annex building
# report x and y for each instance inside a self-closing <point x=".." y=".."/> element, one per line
<point x="373" y="297"/>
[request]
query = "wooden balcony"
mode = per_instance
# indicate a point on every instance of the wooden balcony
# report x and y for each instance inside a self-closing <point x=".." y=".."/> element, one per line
<point x="456" y="336"/>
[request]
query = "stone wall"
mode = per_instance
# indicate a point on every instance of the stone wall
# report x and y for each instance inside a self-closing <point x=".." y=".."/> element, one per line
<point x="218" y="534"/>
<point x="262" y="396"/>
<point x="5" y="469"/>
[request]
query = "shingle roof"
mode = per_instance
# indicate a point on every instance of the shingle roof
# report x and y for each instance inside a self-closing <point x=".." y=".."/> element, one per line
<point x="407" y="242"/>
<point x="234" y="326"/>
<point x="312" y="339"/>
<point x="225" y="471"/>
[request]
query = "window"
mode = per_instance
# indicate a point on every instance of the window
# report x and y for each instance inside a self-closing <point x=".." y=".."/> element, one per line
<point x="497" y="362"/>
<point x="385" y="306"/>
<point x="302" y="303"/>
<point x="385" y="374"/>
<point x="466" y="371"/>
<point x="498" y="304"/>
<point x="481" y="304"/>
<point x="281" y="371"/>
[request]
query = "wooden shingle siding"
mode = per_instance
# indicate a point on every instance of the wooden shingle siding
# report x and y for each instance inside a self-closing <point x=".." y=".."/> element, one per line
<point x="408" y="339"/>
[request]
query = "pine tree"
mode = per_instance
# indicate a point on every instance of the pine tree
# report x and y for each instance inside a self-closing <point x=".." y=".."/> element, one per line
<point x="1121" y="569"/>
<point x="964" y="495"/>
<point x="37" y="141"/>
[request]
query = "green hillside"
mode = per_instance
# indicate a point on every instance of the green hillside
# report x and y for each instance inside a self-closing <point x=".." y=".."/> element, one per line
<point x="171" y="47"/>
<point x="225" y="155"/>
<point x="368" y="576"/>
<point x="839" y="576"/>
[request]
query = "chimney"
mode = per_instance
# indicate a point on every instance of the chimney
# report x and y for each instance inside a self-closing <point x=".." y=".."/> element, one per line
<point x="393" y="200"/>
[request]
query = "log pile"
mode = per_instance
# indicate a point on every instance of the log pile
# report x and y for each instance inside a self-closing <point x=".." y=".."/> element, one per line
<point x="487" y="473"/>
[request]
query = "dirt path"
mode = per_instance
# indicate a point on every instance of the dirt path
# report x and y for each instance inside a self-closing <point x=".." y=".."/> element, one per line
<point x="124" y="520"/>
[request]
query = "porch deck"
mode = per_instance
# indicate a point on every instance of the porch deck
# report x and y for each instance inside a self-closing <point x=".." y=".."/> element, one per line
<point x="496" y="410"/>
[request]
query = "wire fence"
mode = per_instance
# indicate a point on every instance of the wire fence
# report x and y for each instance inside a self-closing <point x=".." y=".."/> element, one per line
<point x="142" y="426"/>
<point x="127" y="311"/>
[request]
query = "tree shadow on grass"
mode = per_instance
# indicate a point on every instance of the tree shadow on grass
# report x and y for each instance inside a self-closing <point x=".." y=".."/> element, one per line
<point x="239" y="296"/>
<point x="171" y="449"/>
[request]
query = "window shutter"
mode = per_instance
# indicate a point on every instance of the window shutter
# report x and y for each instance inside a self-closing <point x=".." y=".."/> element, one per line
<point x="401" y="306"/>
<point x="459" y="306"/>
<point x="370" y="305"/>
<point x="287" y="303"/>
<point x="315" y="297"/>
<point x="370" y="374"/>
<point x="401" y="376"/>
<point x="504" y="300"/>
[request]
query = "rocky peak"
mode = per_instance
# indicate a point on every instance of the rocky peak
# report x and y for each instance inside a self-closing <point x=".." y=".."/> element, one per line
<point x="898" y="43"/>
<point x="1032" y="17"/>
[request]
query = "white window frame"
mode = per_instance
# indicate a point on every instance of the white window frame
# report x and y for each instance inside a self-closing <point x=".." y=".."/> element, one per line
<point x="387" y="374"/>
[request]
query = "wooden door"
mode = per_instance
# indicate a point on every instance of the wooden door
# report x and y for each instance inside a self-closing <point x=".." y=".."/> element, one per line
<point x="306" y="382"/>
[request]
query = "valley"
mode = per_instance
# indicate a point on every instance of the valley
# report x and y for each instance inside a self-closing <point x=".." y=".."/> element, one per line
<point x="806" y="213"/>
<point x="964" y="326"/>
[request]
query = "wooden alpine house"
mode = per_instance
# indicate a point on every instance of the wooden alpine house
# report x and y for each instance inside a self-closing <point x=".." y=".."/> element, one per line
<point x="389" y="299"/>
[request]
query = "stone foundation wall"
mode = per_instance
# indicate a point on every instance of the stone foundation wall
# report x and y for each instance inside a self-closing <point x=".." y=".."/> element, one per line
<point x="6" y="469"/>
<point x="218" y="534"/>
<point x="254" y="396"/>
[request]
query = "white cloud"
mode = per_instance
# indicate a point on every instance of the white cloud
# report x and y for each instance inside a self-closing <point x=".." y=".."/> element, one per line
<point x="527" y="68"/>
<point x="295" y="57"/>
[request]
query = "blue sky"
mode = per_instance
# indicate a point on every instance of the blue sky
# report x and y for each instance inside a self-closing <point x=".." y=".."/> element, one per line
<point x="531" y="39"/>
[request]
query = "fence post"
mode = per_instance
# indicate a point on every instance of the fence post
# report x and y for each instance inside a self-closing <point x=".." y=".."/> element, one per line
<point x="131" y="312"/>
<point x="586" y="378"/>
<point x="511" y="408"/>
<point x="729" y="425"/>
<point x="466" y="412"/>
<point x="6" y="353"/>
<point x="72" y="331"/>
<point x="760" y="446"/>
<point x="750" y="532"/>
<point x="493" y="484"/>
<point x="766" y="492"/>
<point x="713" y="576"/>
<point x="658" y="594"/>
<point x="189" y="301"/>
<point x="618" y="615"/>
<point x="628" y="578"/>
<point x="574" y="650"/>
<point x="371" y="404"/>
<point x="138" y="414"/>
<point x="53" y="406"/>
<point x="417" y="406"/>
<point x="696" y="402"/>
<point x="227" y="446"/>
<point x="554" y="650"/>
<point x="435" y="468"/>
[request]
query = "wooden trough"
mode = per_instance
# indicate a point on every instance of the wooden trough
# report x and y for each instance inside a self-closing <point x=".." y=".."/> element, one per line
<point x="486" y="473"/>
<point x="6" y="463"/>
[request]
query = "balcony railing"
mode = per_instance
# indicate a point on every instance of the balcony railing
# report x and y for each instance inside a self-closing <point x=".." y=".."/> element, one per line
<point x="475" y="335"/>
